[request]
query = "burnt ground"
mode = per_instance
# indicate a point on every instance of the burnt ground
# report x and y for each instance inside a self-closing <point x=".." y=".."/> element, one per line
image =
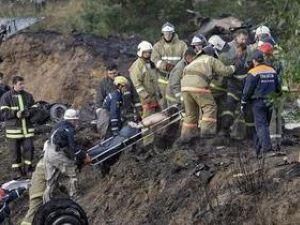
<point x="196" y="184"/>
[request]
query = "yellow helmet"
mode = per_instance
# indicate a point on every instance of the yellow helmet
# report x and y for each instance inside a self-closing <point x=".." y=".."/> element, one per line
<point x="120" y="80"/>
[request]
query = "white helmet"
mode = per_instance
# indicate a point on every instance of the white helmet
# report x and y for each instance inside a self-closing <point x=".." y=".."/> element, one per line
<point x="262" y="30"/>
<point x="71" y="114"/>
<point x="217" y="42"/>
<point x="144" y="46"/>
<point x="199" y="39"/>
<point x="168" y="27"/>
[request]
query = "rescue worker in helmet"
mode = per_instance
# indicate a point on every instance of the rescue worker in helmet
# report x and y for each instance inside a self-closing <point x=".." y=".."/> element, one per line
<point x="144" y="76"/>
<point x="63" y="156"/>
<point x="199" y="104"/>
<point x="113" y="104"/>
<point x="198" y="43"/>
<point x="167" y="52"/>
<point x="261" y="82"/>
<point x="219" y="84"/>
<point x="276" y="121"/>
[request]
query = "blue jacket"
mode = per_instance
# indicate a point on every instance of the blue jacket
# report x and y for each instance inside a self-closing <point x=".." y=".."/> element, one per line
<point x="63" y="136"/>
<point x="261" y="81"/>
<point x="4" y="203"/>
<point x="113" y="103"/>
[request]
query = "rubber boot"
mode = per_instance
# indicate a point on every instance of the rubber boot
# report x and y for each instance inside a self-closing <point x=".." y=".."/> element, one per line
<point x="187" y="134"/>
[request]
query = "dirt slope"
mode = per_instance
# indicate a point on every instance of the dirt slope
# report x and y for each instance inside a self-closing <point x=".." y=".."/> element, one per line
<point x="61" y="68"/>
<point x="174" y="186"/>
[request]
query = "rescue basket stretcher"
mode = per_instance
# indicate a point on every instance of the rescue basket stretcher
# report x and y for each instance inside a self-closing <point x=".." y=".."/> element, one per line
<point x="171" y="114"/>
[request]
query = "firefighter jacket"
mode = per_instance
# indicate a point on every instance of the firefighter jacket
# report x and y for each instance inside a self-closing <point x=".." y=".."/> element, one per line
<point x="113" y="104"/>
<point x="261" y="81"/>
<point x="144" y="77"/>
<point x="11" y="103"/>
<point x="164" y="53"/>
<point x="199" y="73"/>
<point x="63" y="137"/>
<point x="173" y="92"/>
<point x="219" y="84"/>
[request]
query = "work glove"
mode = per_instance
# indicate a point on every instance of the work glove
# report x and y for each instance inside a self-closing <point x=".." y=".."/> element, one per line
<point x="243" y="108"/>
<point x="23" y="114"/>
<point x="169" y="67"/>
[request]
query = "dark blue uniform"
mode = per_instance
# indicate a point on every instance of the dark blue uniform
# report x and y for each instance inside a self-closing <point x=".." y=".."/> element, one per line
<point x="260" y="83"/>
<point x="113" y="103"/>
<point x="63" y="137"/>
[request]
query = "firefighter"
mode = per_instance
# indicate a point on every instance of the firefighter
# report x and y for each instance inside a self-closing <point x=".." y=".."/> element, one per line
<point x="198" y="43"/>
<point x="167" y="52"/>
<point x="219" y="84"/>
<point x="62" y="156"/>
<point x="144" y="76"/>
<point x="173" y="92"/>
<point x="113" y="104"/>
<point x="198" y="101"/>
<point x="238" y="53"/>
<point x="261" y="82"/>
<point x="16" y="109"/>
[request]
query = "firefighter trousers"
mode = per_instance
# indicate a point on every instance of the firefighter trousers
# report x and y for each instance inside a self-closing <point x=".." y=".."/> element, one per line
<point x="59" y="171"/>
<point x="22" y="152"/>
<point x="201" y="109"/>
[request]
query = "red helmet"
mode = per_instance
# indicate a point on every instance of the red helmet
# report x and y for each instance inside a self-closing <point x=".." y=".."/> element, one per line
<point x="266" y="48"/>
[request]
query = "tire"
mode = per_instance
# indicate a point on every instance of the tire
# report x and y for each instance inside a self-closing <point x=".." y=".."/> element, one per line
<point x="57" y="112"/>
<point x="60" y="212"/>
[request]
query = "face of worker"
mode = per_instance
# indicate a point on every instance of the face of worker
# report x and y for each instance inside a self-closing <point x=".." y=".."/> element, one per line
<point x="147" y="54"/>
<point x="198" y="48"/>
<point x="112" y="74"/>
<point x="123" y="88"/>
<point x="189" y="59"/>
<point x="1" y="81"/>
<point x="19" y="86"/>
<point x="75" y="123"/>
<point x="241" y="39"/>
<point x="168" y="35"/>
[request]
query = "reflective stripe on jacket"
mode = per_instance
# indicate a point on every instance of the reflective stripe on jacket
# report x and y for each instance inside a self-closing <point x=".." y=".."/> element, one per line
<point x="11" y="103"/>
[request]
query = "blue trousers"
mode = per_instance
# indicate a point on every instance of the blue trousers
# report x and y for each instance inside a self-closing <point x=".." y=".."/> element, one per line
<point x="262" y="112"/>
